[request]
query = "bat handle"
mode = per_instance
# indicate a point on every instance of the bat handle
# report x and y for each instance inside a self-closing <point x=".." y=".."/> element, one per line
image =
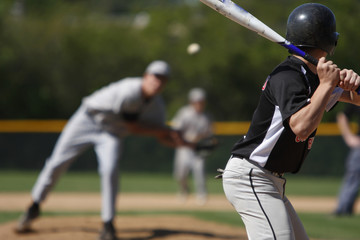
<point x="311" y="59"/>
<point x="306" y="56"/>
<point x="298" y="51"/>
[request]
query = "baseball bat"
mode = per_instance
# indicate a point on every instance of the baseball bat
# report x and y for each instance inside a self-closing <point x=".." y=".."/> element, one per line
<point x="239" y="15"/>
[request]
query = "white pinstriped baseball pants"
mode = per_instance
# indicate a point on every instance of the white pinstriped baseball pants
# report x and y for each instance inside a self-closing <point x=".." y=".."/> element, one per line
<point x="258" y="196"/>
<point x="80" y="134"/>
<point x="186" y="160"/>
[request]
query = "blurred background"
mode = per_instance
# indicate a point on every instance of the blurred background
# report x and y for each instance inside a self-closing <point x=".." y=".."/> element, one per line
<point x="53" y="53"/>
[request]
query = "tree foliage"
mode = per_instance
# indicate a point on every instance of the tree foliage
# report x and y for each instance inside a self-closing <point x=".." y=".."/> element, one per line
<point x="53" y="53"/>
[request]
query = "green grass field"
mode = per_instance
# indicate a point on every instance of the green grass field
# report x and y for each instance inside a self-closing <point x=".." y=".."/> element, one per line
<point x="17" y="181"/>
<point x="322" y="226"/>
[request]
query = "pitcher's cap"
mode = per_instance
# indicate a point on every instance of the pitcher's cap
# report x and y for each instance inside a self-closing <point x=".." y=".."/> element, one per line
<point x="158" y="67"/>
<point x="197" y="95"/>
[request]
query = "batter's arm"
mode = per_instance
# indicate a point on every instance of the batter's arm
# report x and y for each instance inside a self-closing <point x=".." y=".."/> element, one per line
<point x="306" y="120"/>
<point x="350" y="97"/>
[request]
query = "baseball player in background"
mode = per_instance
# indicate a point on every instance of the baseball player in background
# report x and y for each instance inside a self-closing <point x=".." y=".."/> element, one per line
<point x="129" y="106"/>
<point x="195" y="125"/>
<point x="351" y="182"/>
<point x="291" y="106"/>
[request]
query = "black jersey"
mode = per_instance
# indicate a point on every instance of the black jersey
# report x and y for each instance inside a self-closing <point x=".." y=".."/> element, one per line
<point x="270" y="140"/>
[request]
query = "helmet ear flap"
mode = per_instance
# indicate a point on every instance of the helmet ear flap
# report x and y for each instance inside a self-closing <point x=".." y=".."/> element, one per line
<point x="336" y="37"/>
<point x="312" y="25"/>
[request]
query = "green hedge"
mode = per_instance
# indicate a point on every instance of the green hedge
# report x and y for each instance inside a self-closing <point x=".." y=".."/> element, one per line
<point x="56" y="52"/>
<point x="144" y="154"/>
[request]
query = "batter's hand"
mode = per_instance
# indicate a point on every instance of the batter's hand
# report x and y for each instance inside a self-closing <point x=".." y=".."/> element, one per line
<point x="328" y="72"/>
<point x="349" y="80"/>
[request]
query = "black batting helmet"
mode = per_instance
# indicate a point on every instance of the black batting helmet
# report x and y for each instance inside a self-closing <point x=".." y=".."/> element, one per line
<point x="312" y="25"/>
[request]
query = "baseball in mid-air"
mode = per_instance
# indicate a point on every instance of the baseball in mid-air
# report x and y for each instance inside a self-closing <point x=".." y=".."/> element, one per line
<point x="193" y="48"/>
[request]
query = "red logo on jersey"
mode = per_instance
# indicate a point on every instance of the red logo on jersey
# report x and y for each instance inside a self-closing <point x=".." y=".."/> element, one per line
<point x="310" y="141"/>
<point x="264" y="86"/>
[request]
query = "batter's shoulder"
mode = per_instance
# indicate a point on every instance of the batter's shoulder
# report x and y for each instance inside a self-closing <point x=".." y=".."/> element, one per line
<point x="291" y="66"/>
<point x="288" y="71"/>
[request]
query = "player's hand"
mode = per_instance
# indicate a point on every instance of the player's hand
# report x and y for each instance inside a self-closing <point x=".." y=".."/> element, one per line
<point x="171" y="138"/>
<point x="353" y="141"/>
<point x="328" y="72"/>
<point x="349" y="80"/>
<point x="177" y="138"/>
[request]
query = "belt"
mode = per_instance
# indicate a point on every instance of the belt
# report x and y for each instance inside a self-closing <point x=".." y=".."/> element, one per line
<point x="276" y="174"/>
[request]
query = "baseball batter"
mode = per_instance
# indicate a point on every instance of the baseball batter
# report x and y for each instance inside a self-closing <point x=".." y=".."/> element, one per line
<point x="131" y="105"/>
<point x="195" y="125"/>
<point x="293" y="100"/>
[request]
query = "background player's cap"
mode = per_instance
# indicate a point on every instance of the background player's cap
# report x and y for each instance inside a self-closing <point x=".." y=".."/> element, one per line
<point x="197" y="95"/>
<point x="158" y="67"/>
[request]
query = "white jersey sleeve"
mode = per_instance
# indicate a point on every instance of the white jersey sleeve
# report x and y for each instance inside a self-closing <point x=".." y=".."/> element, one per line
<point x="116" y="97"/>
<point x="114" y="104"/>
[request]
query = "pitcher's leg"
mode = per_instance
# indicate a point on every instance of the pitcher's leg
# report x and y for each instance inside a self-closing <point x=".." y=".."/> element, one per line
<point x="108" y="150"/>
<point x="74" y="139"/>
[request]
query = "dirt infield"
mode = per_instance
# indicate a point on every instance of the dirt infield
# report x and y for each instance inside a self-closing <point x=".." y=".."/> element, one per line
<point x="147" y="227"/>
<point x="128" y="228"/>
<point x="82" y="202"/>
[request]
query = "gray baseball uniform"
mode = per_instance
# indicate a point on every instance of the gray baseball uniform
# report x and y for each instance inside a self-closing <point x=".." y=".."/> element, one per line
<point x="194" y="126"/>
<point x="100" y="123"/>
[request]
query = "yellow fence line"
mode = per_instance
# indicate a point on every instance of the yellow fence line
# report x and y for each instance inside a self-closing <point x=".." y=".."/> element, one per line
<point x="27" y="126"/>
<point x="240" y="128"/>
<point x="220" y="128"/>
<point x="231" y="128"/>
